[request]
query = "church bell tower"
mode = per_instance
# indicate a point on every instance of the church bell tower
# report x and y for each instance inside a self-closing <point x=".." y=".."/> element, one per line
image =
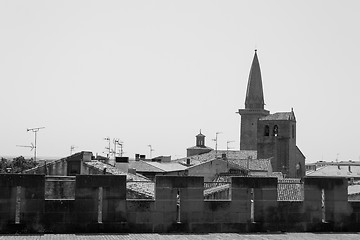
<point x="254" y="108"/>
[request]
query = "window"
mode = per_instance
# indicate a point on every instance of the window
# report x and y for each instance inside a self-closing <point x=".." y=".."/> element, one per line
<point x="267" y="130"/>
<point x="275" y="130"/>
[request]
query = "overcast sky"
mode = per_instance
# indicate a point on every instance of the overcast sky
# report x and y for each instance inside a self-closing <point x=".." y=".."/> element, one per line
<point x="156" y="72"/>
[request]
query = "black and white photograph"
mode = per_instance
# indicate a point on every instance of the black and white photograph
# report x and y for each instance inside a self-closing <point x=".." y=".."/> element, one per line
<point x="165" y="119"/>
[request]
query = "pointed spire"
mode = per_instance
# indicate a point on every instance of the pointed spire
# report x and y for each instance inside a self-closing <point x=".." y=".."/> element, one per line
<point x="254" y="93"/>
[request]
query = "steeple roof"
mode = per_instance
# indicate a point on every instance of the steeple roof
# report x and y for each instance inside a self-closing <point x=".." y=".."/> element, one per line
<point x="254" y="93"/>
<point x="200" y="134"/>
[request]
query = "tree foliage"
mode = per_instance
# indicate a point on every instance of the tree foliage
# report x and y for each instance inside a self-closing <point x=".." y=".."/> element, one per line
<point x="16" y="165"/>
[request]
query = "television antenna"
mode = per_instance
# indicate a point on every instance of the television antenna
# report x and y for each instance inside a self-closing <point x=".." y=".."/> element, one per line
<point x="120" y="143"/>
<point x="72" y="148"/>
<point x="227" y="147"/>
<point x="34" y="130"/>
<point x="216" y="141"/>
<point x="108" y="148"/>
<point x="27" y="146"/>
<point x="151" y="150"/>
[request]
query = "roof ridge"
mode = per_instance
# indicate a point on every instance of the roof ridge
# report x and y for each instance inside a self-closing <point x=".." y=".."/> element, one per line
<point x="148" y="163"/>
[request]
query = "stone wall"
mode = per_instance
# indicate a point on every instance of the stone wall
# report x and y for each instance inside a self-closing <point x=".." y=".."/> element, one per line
<point x="100" y="205"/>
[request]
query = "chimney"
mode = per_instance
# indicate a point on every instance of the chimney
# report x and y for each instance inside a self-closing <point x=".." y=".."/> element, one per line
<point x="132" y="171"/>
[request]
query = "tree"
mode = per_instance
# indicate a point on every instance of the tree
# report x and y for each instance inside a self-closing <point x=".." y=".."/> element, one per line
<point x="17" y="165"/>
<point x="3" y="165"/>
<point x="20" y="164"/>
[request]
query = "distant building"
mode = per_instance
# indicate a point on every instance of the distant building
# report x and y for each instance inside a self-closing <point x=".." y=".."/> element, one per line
<point x="199" y="148"/>
<point x="150" y="169"/>
<point x="349" y="170"/>
<point x="271" y="135"/>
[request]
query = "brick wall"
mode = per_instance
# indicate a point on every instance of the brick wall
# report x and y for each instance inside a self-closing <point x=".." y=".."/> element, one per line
<point x="100" y="205"/>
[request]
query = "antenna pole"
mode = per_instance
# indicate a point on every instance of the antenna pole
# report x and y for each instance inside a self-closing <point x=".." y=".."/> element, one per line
<point x="121" y="149"/>
<point x="216" y="140"/>
<point x="151" y="150"/>
<point x="115" y="142"/>
<point x="108" y="139"/>
<point x="227" y="148"/>
<point x="72" y="148"/>
<point x="35" y="130"/>
<point x="35" y="146"/>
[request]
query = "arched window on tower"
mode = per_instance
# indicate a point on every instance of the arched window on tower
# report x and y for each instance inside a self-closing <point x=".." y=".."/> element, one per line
<point x="298" y="170"/>
<point x="266" y="130"/>
<point x="275" y="130"/>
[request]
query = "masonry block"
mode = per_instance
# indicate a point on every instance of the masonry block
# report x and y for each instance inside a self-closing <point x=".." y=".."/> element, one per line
<point x="86" y="193"/>
<point x="191" y="205"/>
<point x="170" y="217"/>
<point x="140" y="205"/>
<point x="241" y="206"/>
<point x="192" y="193"/>
<point x="114" y="211"/>
<point x="265" y="194"/>
<point x="208" y="216"/>
<point x="338" y="193"/>
<point x="166" y="205"/>
<point x="111" y="181"/>
<point x="115" y="192"/>
<point x="144" y="217"/>
<point x="217" y="205"/>
<point x="7" y="192"/>
<point x="241" y="194"/>
<point x="225" y="217"/>
<point x="32" y="205"/>
<point x="327" y="183"/>
<point x="179" y="181"/>
<point x="312" y="194"/>
<point x="205" y="227"/>
<point x="254" y="182"/>
<point x="157" y="217"/>
<point x="162" y="193"/>
<point x="266" y="211"/>
<point x="234" y="227"/>
<point x="7" y="205"/>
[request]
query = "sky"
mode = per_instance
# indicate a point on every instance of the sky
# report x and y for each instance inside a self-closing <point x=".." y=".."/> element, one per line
<point x="156" y="72"/>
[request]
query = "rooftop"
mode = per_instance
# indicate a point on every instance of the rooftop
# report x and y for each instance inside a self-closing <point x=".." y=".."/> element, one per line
<point x="135" y="182"/>
<point x="337" y="171"/>
<point x="147" y="166"/>
<point x="353" y="189"/>
<point x="279" y="116"/>
<point x="197" y="159"/>
<point x="253" y="164"/>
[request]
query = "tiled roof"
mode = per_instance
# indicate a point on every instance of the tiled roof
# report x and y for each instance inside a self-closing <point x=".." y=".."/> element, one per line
<point x="253" y="164"/>
<point x="290" y="190"/>
<point x="337" y="171"/>
<point x="216" y="189"/>
<point x="197" y="147"/>
<point x="197" y="159"/>
<point x="143" y="166"/>
<point x="168" y="166"/>
<point x="280" y="116"/>
<point x="136" y="183"/>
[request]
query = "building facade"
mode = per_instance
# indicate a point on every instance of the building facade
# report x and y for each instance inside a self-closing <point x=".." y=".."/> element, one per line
<point x="271" y="135"/>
